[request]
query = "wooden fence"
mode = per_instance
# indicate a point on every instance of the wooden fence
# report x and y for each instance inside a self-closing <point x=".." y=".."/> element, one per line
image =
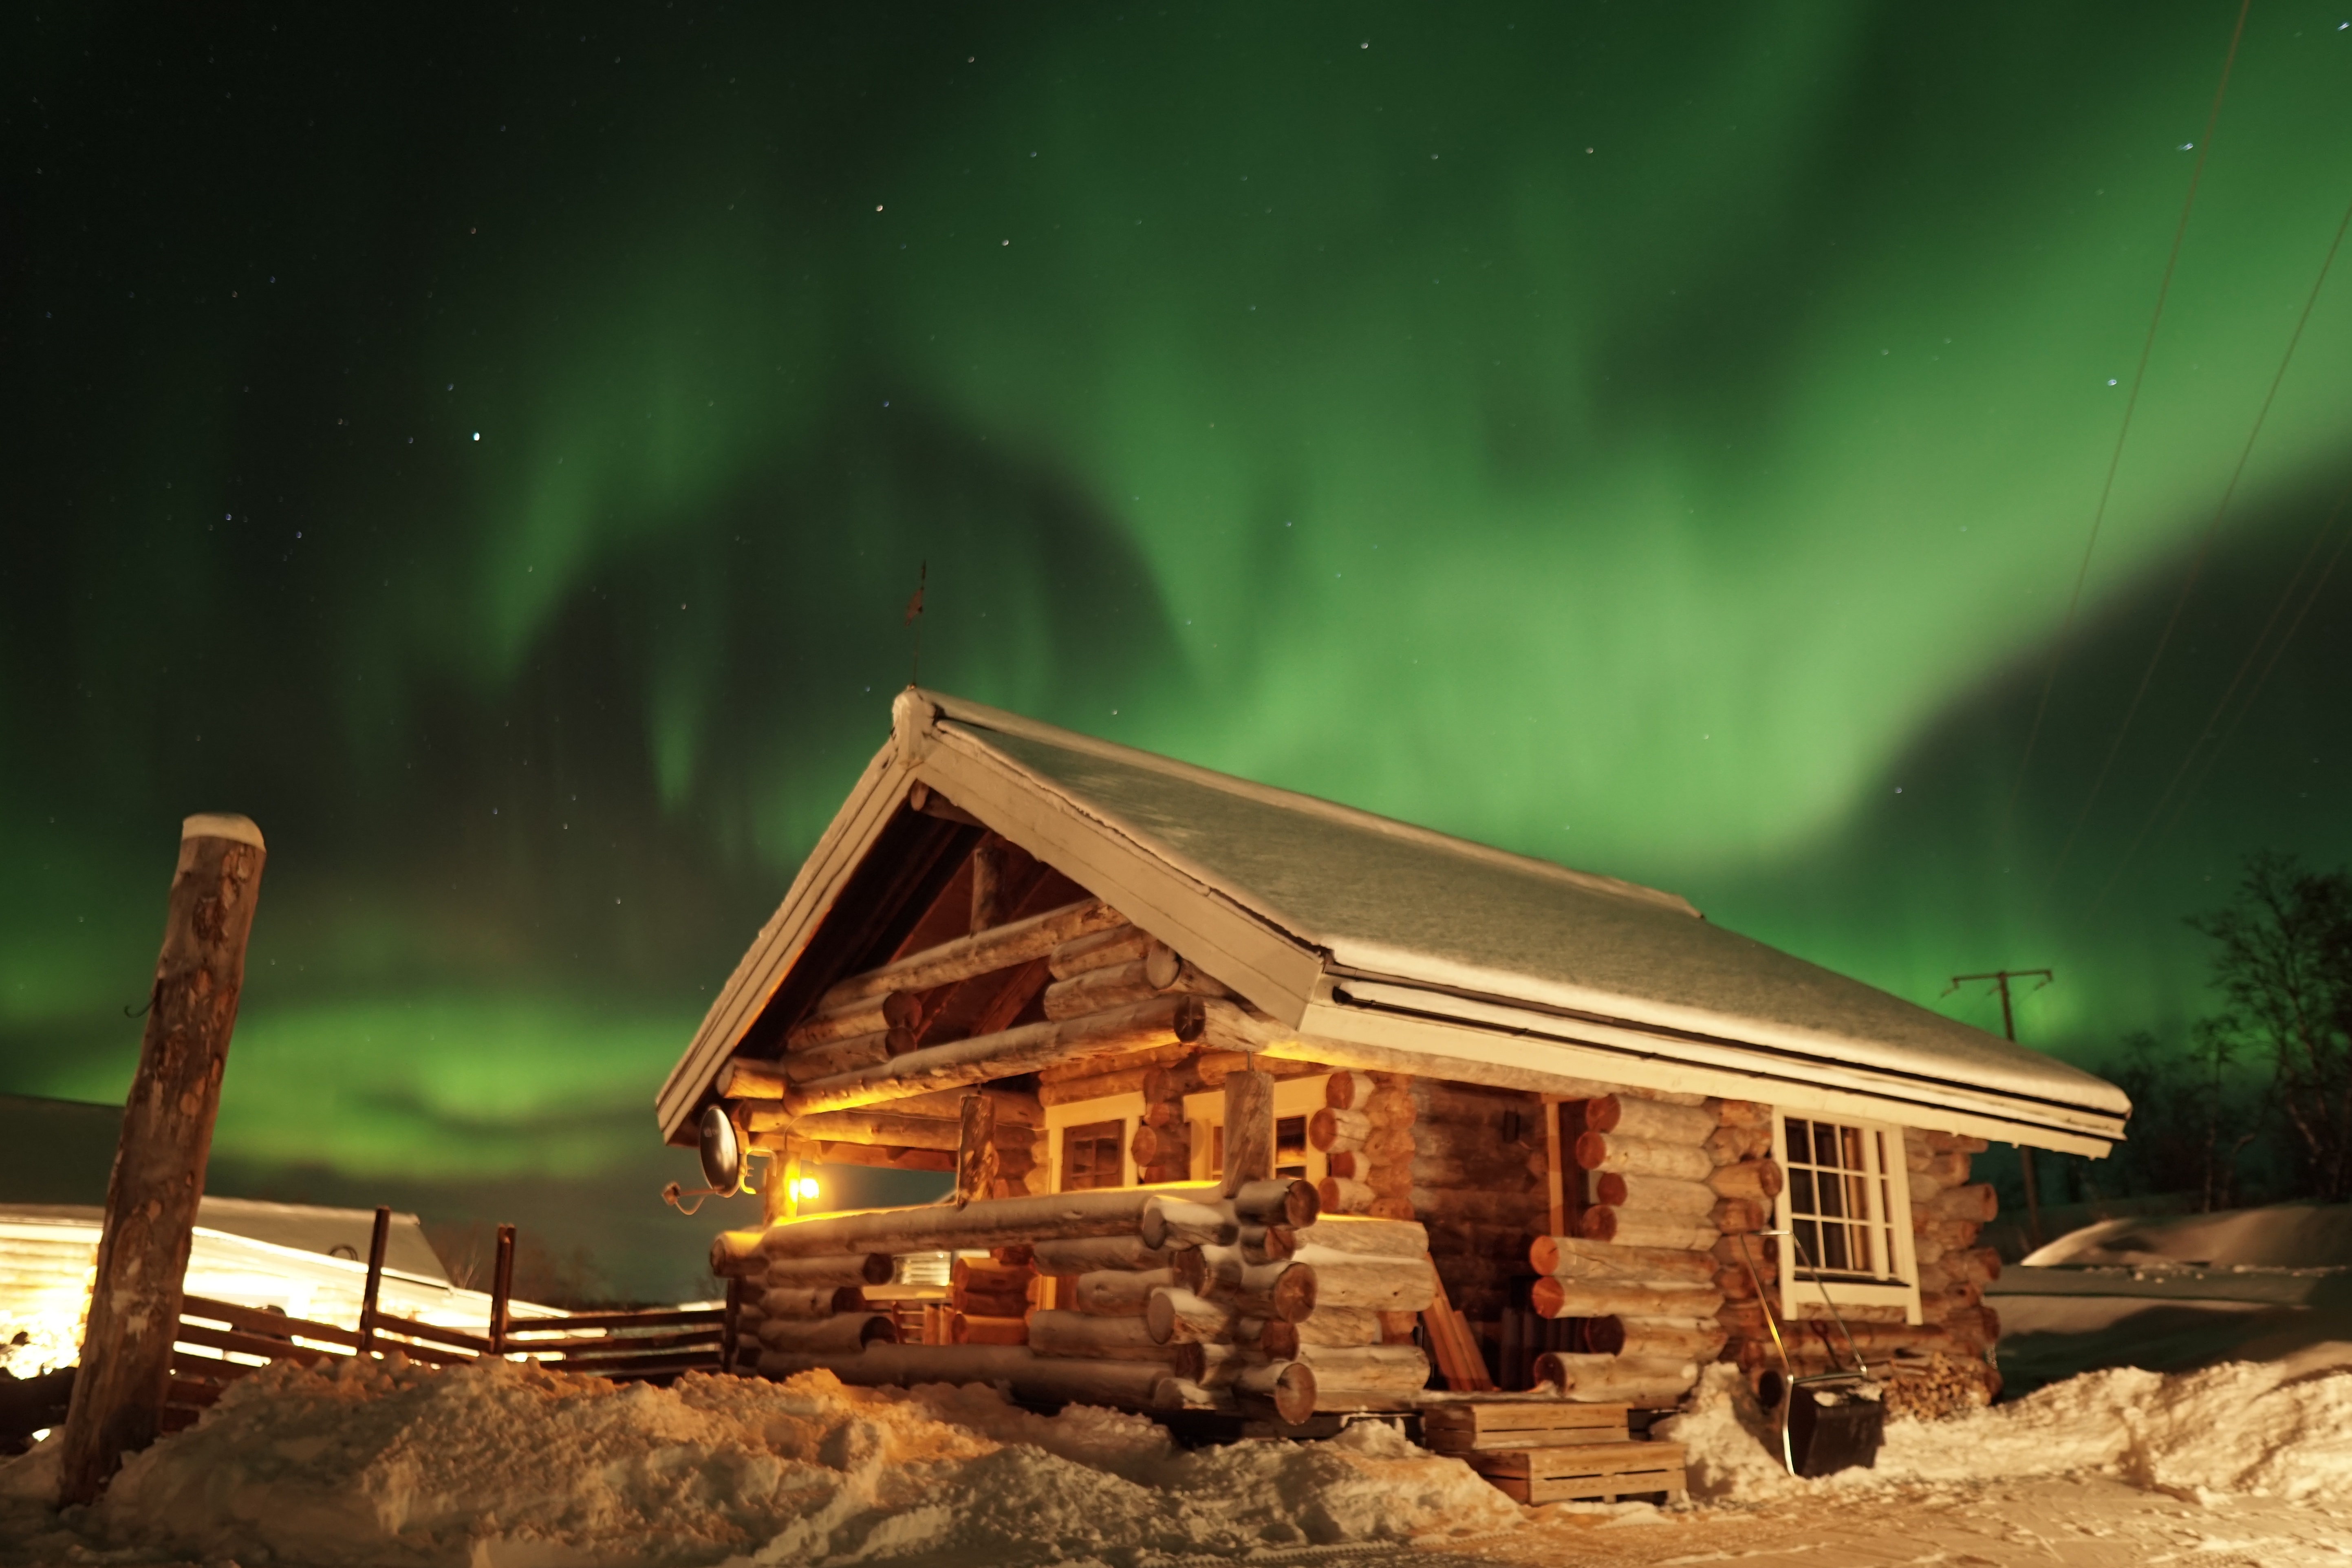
<point x="637" y="1346"/>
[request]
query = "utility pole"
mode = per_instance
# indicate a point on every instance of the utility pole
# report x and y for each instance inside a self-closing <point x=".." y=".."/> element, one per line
<point x="2001" y="979"/>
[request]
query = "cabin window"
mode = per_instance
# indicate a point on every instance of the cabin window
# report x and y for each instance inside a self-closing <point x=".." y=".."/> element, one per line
<point x="1296" y="1100"/>
<point x="1091" y="1155"/>
<point x="1839" y="1207"/>
<point x="1846" y="1207"/>
<point x="1290" y="1147"/>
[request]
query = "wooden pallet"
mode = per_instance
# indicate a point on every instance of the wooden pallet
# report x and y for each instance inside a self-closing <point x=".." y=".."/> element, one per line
<point x="1475" y="1426"/>
<point x="1586" y="1472"/>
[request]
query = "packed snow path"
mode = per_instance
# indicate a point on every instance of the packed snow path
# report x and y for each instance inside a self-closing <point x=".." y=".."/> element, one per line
<point x="485" y="1465"/>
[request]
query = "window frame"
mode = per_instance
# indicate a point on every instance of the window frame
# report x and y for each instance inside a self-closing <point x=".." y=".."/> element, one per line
<point x="1126" y="1110"/>
<point x="1301" y="1096"/>
<point x="1887" y="1182"/>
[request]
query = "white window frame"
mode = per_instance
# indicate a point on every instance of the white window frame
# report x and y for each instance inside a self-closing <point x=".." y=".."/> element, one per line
<point x="1888" y="1189"/>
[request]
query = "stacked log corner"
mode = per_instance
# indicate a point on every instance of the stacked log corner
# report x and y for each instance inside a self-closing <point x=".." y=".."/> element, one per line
<point x="1665" y="1183"/>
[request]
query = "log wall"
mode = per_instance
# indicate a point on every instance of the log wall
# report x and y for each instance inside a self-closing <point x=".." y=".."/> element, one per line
<point x="1259" y="1294"/>
<point x="1253" y="1302"/>
<point x="1478" y="1184"/>
<point x="1657" y="1186"/>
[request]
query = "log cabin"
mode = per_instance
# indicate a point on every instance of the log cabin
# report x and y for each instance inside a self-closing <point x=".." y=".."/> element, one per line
<point x="1257" y="1103"/>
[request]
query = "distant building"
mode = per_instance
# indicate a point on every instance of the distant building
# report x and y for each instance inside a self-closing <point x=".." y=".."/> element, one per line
<point x="304" y="1260"/>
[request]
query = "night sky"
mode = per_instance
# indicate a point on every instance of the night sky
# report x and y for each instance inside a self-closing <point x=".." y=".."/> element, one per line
<point x="493" y="449"/>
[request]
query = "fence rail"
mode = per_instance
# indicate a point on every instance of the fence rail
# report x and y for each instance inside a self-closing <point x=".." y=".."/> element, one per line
<point x="631" y="1346"/>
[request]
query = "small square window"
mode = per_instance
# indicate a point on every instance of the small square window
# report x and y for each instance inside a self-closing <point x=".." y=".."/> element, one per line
<point x="1092" y="1157"/>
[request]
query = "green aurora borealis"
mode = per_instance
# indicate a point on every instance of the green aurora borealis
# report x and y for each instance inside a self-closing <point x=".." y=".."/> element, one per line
<point x="1649" y="437"/>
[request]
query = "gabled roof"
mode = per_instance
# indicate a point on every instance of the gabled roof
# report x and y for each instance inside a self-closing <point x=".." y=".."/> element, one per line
<point x="1375" y="942"/>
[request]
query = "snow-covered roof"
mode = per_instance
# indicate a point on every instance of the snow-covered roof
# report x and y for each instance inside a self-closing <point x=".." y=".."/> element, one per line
<point x="1418" y="950"/>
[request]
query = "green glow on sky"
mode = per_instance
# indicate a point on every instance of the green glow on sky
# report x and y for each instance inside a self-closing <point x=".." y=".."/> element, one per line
<point x="1648" y="440"/>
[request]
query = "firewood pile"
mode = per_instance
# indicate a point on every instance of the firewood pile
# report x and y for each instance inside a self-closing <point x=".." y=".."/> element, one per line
<point x="1935" y="1387"/>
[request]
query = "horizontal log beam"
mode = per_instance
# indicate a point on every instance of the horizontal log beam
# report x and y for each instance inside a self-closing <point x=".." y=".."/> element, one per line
<point x="873" y="1015"/>
<point x="848" y="1331"/>
<point x="1666" y="1194"/>
<point x="1164" y="1020"/>
<point x="873" y="1156"/>
<point x="1759" y="1181"/>
<point x="982" y="1223"/>
<point x="880" y="1126"/>
<point x="1026" y="1374"/>
<point x="1649" y="1383"/>
<point x="1643" y="1157"/>
<point x="1649" y="1119"/>
<point x="1553" y="1297"/>
<point x="1655" y="1337"/>
<point x="1646" y="1229"/>
<point x="1088" y="1254"/>
<point x="1098" y="950"/>
<point x="1061" y="1334"/>
<point x="982" y="952"/>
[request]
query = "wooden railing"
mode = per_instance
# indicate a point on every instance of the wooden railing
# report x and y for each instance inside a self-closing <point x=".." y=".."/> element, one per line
<point x="633" y="1346"/>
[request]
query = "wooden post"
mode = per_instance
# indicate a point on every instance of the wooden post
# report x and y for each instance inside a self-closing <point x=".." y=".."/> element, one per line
<point x="1249" y="1130"/>
<point x="987" y="883"/>
<point x="975" y="1148"/>
<point x="379" y="1243"/>
<point x="501" y="1289"/>
<point x="159" y="1165"/>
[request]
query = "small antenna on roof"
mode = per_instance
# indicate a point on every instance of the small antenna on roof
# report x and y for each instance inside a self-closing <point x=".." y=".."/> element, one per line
<point x="915" y="620"/>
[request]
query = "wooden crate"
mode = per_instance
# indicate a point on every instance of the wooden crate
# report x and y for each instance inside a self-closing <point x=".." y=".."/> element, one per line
<point x="1590" y="1472"/>
<point x="1473" y="1425"/>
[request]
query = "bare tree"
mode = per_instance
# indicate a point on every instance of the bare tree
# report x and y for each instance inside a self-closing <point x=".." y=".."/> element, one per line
<point x="2192" y="1116"/>
<point x="2284" y="972"/>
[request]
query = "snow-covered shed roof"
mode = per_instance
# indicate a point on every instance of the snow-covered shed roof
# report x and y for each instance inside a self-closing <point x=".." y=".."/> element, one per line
<point x="1383" y="944"/>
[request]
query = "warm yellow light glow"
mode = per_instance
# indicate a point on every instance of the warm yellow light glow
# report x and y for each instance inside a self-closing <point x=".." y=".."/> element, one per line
<point x="804" y="1189"/>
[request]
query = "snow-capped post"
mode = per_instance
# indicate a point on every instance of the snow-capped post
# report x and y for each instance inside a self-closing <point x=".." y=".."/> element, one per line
<point x="159" y="1164"/>
<point x="502" y="1290"/>
<point x="372" y="1294"/>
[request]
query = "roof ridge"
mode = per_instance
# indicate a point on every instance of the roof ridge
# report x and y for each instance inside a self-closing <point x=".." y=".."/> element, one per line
<point x="982" y="716"/>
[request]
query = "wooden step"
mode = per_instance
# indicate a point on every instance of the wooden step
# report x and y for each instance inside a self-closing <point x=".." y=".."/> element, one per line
<point x="1589" y="1472"/>
<point x="1473" y="1425"/>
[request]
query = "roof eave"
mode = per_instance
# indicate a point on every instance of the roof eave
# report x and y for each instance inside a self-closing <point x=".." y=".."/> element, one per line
<point x="815" y="888"/>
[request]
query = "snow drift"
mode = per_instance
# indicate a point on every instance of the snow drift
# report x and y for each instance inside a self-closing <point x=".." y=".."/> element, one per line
<point x="2255" y="1428"/>
<point x="506" y="1464"/>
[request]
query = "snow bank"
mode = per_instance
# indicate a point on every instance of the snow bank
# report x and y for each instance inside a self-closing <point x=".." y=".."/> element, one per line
<point x="509" y="1466"/>
<point x="2248" y="1427"/>
<point x="2294" y="1237"/>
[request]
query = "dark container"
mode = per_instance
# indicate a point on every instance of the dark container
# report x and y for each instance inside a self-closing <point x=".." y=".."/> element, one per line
<point x="1833" y="1428"/>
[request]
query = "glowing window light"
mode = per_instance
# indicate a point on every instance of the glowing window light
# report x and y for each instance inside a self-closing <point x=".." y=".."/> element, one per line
<point x="804" y="1188"/>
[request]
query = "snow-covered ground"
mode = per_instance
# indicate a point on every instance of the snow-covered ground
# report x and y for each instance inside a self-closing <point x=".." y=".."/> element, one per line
<point x="508" y="1466"/>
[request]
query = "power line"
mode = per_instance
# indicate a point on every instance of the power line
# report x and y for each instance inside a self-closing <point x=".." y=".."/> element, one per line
<point x="2205" y="731"/>
<point x="2001" y="979"/>
<point x="2196" y="562"/>
<point x="2131" y="403"/>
